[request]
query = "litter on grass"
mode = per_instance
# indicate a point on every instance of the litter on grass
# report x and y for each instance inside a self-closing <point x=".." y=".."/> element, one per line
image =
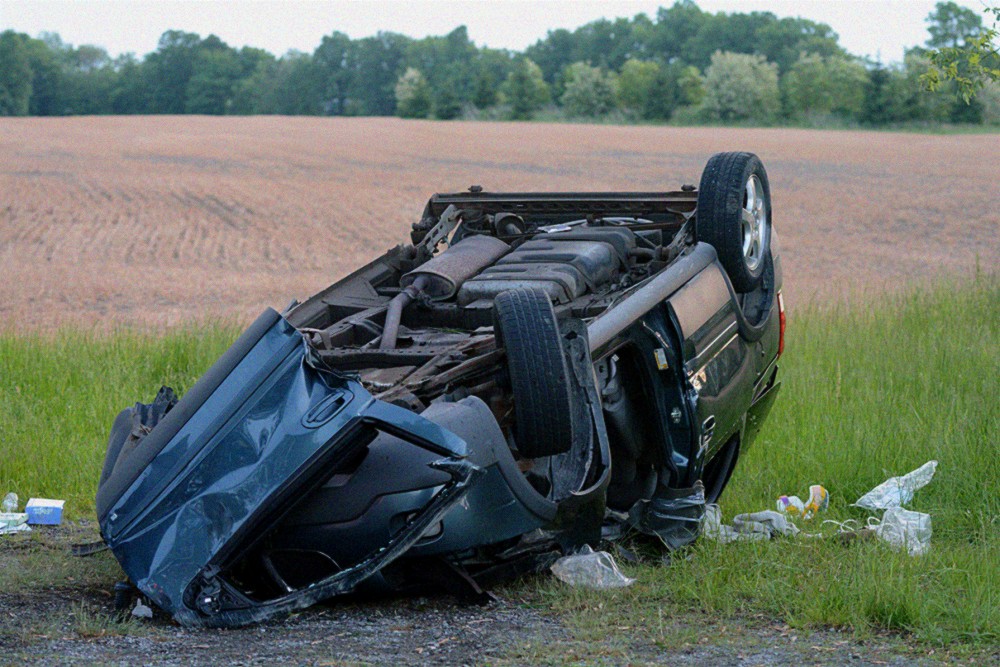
<point x="44" y="511"/>
<point x="819" y="500"/>
<point x="590" y="569"/>
<point x="13" y="522"/>
<point x="905" y="529"/>
<point x="746" y="527"/>
<point x="897" y="491"/>
<point x="9" y="505"/>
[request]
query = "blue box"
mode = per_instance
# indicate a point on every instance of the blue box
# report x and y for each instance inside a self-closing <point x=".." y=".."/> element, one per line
<point x="44" y="511"/>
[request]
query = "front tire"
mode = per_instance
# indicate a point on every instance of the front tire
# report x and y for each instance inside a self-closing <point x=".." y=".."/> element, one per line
<point x="525" y="324"/>
<point x="734" y="216"/>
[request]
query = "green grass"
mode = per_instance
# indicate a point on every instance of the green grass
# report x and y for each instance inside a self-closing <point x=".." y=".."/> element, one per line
<point x="870" y="390"/>
<point x="60" y="392"/>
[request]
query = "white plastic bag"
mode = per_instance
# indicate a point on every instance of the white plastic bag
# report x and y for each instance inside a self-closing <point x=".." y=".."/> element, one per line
<point x="897" y="491"/>
<point x="746" y="527"/>
<point x="905" y="529"/>
<point x="590" y="569"/>
<point x="766" y="522"/>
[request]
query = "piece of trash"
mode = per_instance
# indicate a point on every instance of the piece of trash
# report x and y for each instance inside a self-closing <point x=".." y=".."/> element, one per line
<point x="141" y="610"/>
<point x="819" y="500"/>
<point x="791" y="505"/>
<point x="44" y="511"/>
<point x="590" y="569"/>
<point x="767" y="522"/>
<point x="748" y="529"/>
<point x="906" y="529"/>
<point x="13" y="522"/>
<point x="897" y="491"/>
<point x="9" y="504"/>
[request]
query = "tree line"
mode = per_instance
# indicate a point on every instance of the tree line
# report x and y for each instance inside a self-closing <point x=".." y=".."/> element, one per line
<point x="684" y="65"/>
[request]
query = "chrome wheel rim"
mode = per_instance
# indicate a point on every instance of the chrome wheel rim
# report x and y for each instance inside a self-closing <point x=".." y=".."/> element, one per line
<point x="754" y="223"/>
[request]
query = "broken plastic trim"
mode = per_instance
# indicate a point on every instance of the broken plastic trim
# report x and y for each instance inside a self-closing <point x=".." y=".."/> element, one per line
<point x="211" y="588"/>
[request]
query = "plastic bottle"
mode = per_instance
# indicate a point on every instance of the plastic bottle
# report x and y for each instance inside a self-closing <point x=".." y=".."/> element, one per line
<point x="9" y="503"/>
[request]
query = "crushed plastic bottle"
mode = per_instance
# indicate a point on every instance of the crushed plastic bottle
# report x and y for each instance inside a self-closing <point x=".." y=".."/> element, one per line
<point x="819" y="500"/>
<point x="590" y="569"/>
<point x="905" y="529"/>
<point x="897" y="491"/>
<point x="9" y="504"/>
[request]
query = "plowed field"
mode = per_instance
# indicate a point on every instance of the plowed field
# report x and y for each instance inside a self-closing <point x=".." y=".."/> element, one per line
<point x="155" y="221"/>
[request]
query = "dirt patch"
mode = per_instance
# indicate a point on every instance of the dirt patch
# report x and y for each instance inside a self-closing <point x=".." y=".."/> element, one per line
<point x="154" y="221"/>
<point x="65" y="616"/>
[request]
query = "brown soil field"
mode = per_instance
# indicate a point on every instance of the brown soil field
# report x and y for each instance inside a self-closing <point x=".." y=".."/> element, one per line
<point x="156" y="221"/>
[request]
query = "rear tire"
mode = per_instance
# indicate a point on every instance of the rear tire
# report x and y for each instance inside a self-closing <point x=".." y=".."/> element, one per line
<point x="734" y="216"/>
<point x="525" y="324"/>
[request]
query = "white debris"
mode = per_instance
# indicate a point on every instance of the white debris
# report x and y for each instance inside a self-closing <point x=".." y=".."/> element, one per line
<point x="141" y="610"/>
<point x="897" y="491"/>
<point x="590" y="569"/>
<point x="904" y="529"/>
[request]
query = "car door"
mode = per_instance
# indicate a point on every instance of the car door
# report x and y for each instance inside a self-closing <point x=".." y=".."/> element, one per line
<point x="718" y="361"/>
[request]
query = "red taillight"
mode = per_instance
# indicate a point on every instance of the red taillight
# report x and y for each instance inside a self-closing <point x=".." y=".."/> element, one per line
<point x="781" y="324"/>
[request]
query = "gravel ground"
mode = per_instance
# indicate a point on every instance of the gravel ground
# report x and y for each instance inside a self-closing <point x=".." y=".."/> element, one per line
<point x="70" y="622"/>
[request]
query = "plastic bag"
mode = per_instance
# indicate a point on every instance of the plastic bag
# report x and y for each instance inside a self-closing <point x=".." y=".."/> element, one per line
<point x="590" y="569"/>
<point x="12" y="522"/>
<point x="746" y="527"/>
<point x="905" y="529"/>
<point x="9" y="505"/>
<point x="897" y="491"/>
<point x="768" y="522"/>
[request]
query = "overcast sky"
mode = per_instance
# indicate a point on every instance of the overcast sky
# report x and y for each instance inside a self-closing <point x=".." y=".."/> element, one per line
<point x="866" y="27"/>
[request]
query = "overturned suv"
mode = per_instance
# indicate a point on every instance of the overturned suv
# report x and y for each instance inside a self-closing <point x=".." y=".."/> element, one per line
<point x="534" y="372"/>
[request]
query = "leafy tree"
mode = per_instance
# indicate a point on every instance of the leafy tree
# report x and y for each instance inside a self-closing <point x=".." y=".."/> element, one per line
<point x="815" y="84"/>
<point x="130" y="93"/>
<point x="491" y="68"/>
<point x="333" y="61"/>
<point x="675" y="28"/>
<point x="525" y="90"/>
<point x="692" y="85"/>
<point x="377" y="64"/>
<point x="210" y="88"/>
<point x="952" y="25"/>
<point x="554" y="53"/>
<point x="964" y="51"/>
<point x="448" y="63"/>
<point x="741" y="87"/>
<point x="46" y="78"/>
<point x="15" y="74"/>
<point x="446" y="104"/>
<point x="889" y="98"/>
<point x="413" y="95"/>
<point x="637" y="85"/>
<point x="171" y="67"/>
<point x="296" y="87"/>
<point x="989" y="98"/>
<point x="589" y="91"/>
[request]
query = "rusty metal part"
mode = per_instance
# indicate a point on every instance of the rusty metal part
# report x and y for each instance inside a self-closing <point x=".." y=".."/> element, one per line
<point x="395" y="312"/>
<point x="445" y="273"/>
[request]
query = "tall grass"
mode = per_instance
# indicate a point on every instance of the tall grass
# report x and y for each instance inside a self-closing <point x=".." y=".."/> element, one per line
<point x="870" y="391"/>
<point x="59" y="393"/>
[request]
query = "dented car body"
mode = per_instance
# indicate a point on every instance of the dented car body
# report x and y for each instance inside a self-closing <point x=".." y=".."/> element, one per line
<point x="533" y="372"/>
